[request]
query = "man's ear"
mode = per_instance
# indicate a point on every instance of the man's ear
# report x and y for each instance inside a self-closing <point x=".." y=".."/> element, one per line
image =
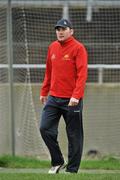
<point x="72" y="31"/>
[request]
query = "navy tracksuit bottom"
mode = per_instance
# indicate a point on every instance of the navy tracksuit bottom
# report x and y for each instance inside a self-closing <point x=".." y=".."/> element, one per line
<point x="52" y="111"/>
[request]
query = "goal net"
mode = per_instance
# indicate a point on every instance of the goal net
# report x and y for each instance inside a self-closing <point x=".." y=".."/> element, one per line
<point x="96" y="24"/>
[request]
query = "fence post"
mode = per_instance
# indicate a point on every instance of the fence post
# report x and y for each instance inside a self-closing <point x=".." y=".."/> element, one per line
<point x="100" y="75"/>
<point x="10" y="74"/>
<point x="89" y="10"/>
<point x="66" y="11"/>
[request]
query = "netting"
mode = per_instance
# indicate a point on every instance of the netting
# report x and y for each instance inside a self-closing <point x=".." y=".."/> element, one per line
<point x="28" y="140"/>
<point x="30" y="46"/>
<point x="97" y="26"/>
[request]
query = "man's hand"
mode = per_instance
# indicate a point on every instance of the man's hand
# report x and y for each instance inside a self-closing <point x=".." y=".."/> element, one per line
<point x="43" y="99"/>
<point x="73" y="102"/>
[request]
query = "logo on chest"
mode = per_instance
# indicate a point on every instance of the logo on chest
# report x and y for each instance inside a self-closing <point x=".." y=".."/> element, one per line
<point x="66" y="57"/>
<point x="53" y="56"/>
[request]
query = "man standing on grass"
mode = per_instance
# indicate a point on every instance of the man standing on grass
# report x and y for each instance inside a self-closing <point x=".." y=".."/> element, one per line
<point x="65" y="79"/>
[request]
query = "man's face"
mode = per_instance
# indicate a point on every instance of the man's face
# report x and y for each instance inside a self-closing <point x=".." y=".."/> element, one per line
<point x="63" y="33"/>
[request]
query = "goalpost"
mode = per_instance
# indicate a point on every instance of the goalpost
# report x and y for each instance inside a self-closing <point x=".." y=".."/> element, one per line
<point x="96" y="24"/>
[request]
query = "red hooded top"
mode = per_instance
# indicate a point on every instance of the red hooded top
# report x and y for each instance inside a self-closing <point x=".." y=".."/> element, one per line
<point x="66" y="69"/>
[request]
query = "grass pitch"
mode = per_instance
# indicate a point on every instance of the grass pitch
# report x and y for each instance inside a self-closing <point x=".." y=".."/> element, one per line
<point x="34" y="169"/>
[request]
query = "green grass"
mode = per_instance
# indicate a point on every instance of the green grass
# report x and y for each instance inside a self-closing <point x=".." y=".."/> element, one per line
<point x="27" y="162"/>
<point x="108" y="164"/>
<point x="22" y="162"/>
<point x="81" y="176"/>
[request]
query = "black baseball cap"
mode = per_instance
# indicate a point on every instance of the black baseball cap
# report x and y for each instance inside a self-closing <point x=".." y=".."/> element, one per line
<point x="63" y="23"/>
